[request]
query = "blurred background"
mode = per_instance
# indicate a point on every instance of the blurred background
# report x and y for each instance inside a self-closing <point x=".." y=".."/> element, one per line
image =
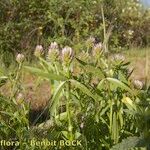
<point x="24" y="24"/>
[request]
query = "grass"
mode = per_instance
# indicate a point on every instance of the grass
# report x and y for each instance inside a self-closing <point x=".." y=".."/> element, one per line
<point x="140" y="61"/>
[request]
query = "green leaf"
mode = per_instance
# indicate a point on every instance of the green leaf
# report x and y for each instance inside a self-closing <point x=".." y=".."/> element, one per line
<point x="95" y="71"/>
<point x="65" y="133"/>
<point x="120" y="117"/>
<point x="84" y="89"/>
<point x="62" y="116"/>
<point x="115" y="128"/>
<point x="77" y="135"/>
<point x="55" y="98"/>
<point x="101" y="83"/>
<point x="3" y="80"/>
<point x="122" y="77"/>
<point x="6" y="113"/>
<point x="91" y="69"/>
<point x="81" y="62"/>
<point x="104" y="110"/>
<point x="120" y="84"/>
<point x="45" y="74"/>
<point x="46" y="65"/>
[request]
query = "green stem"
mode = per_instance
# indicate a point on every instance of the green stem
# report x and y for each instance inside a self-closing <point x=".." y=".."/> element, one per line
<point x="67" y="108"/>
<point x="111" y="111"/>
<point x="104" y="30"/>
<point x="16" y="80"/>
<point x="111" y="115"/>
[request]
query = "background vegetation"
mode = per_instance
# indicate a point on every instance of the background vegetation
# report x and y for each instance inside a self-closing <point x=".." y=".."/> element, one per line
<point x="25" y="24"/>
<point x="75" y="70"/>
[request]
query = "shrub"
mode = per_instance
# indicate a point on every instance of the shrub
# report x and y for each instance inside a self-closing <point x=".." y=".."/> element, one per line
<point x="25" y="24"/>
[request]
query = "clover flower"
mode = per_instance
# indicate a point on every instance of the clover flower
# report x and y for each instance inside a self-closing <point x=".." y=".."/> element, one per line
<point x="97" y="49"/>
<point x="53" y="45"/>
<point x="90" y="42"/>
<point x="38" y="51"/>
<point x="67" y="54"/>
<point x="138" y="84"/>
<point x="20" y="58"/>
<point x="53" y="52"/>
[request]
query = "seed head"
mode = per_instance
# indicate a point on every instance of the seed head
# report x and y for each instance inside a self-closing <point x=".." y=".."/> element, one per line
<point x="97" y="49"/>
<point x="38" y="51"/>
<point x="53" y="45"/>
<point x="67" y="54"/>
<point x="90" y="41"/>
<point x="53" y="52"/>
<point x="20" y="58"/>
<point x="138" y="84"/>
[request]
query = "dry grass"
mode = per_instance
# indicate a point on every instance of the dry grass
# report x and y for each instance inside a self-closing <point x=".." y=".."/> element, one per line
<point x="140" y="61"/>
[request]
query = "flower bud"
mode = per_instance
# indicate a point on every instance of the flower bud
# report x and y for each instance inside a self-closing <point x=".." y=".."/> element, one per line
<point x="53" y="45"/>
<point x="38" y="51"/>
<point x="53" y="52"/>
<point x="20" y="58"/>
<point x="97" y="49"/>
<point x="67" y="54"/>
<point x="90" y="42"/>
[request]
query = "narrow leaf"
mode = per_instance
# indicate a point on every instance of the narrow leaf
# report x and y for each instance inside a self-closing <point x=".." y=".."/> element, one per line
<point x="45" y="74"/>
<point x="55" y="98"/>
<point x="119" y="84"/>
<point x="91" y="69"/>
<point x="84" y="89"/>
